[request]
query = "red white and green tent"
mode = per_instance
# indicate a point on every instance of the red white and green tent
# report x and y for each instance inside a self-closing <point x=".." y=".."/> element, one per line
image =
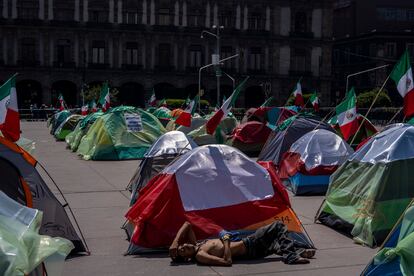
<point x="9" y="112"/>
<point x="215" y="120"/>
<point x="314" y="99"/>
<point x="347" y="115"/>
<point x="297" y="93"/>
<point x="403" y="77"/>
<point x="61" y="102"/>
<point x="185" y="117"/>
<point x="105" y="100"/>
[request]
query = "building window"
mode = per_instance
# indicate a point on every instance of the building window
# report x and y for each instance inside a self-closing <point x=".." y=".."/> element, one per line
<point x="132" y="53"/>
<point x="255" y="59"/>
<point x="195" y="56"/>
<point x="256" y="22"/>
<point x="301" y="25"/>
<point x="164" y="17"/>
<point x="390" y="49"/>
<point x="98" y="16"/>
<point x="63" y="51"/>
<point x="63" y="11"/>
<point x="395" y="14"/>
<point x="28" y="50"/>
<point x="194" y="19"/>
<point x="28" y="9"/>
<point x="225" y="53"/>
<point x="98" y="52"/>
<point x="226" y="20"/>
<point x="299" y="61"/>
<point x="131" y="18"/>
<point x="164" y="55"/>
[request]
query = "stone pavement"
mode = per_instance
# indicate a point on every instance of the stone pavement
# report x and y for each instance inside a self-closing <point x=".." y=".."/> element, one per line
<point x="96" y="193"/>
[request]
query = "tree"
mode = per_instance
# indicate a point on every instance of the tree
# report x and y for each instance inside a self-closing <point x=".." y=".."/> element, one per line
<point x="366" y="98"/>
<point x="93" y="92"/>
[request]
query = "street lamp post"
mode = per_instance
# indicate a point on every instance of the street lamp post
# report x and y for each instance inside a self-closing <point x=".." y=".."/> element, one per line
<point x="362" y="72"/>
<point x="216" y="58"/>
<point x="233" y="80"/>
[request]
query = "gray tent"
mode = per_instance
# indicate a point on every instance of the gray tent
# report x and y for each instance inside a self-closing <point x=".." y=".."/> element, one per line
<point x="21" y="182"/>
<point x="287" y="133"/>
<point x="164" y="151"/>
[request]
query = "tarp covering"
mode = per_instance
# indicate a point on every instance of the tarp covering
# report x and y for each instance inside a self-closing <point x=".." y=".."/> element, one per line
<point x="371" y="190"/>
<point x="122" y="133"/>
<point x="396" y="256"/>
<point x="22" y="249"/>
<point x="287" y="133"/>
<point x="200" y="136"/>
<point x="214" y="187"/>
<point x="67" y="126"/>
<point x="73" y="139"/>
<point x="271" y="115"/>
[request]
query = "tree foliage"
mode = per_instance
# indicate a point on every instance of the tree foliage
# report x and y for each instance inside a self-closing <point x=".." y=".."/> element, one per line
<point x="93" y="92"/>
<point x="366" y="98"/>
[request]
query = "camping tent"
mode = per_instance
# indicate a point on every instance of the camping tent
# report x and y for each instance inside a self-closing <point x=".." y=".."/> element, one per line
<point x="288" y="132"/>
<point x="21" y="182"/>
<point x="196" y="123"/>
<point x="371" y="190"/>
<point x="163" y="114"/>
<point x="214" y="187"/>
<point x="249" y="137"/>
<point x="67" y="126"/>
<point x="22" y="249"/>
<point x="271" y="115"/>
<point x="200" y="136"/>
<point x="396" y="254"/>
<point x="122" y="133"/>
<point x="73" y="139"/>
<point x="58" y="118"/>
<point x="312" y="159"/>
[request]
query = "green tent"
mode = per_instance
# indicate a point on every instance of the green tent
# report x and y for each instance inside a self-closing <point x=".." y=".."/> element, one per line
<point x="67" y="126"/>
<point x="73" y="139"/>
<point x="122" y="133"/>
<point x="200" y="136"/>
<point x="163" y="114"/>
<point x="58" y="118"/>
<point x="371" y="190"/>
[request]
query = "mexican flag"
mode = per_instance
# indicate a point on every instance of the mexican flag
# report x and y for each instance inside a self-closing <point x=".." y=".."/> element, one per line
<point x="9" y="112"/>
<point x="105" y="100"/>
<point x="153" y="99"/>
<point x="84" y="110"/>
<point x="163" y="103"/>
<point x="61" y="102"/>
<point x="185" y="117"/>
<point x="314" y="99"/>
<point x="93" y="106"/>
<point x="297" y="93"/>
<point x="220" y="114"/>
<point x="347" y="115"/>
<point x="403" y="76"/>
<point x="267" y="102"/>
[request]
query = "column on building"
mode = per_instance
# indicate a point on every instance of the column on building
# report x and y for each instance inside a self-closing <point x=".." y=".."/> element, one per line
<point x="284" y="60"/>
<point x="76" y="49"/>
<point x="120" y="51"/>
<point x="110" y="51"/>
<point x="50" y="10"/>
<point x="267" y="24"/>
<point x="238" y="17"/>
<point x="316" y="55"/>
<point x="5" y="11"/>
<point x="41" y="49"/>
<point x="14" y="9"/>
<point x="207" y="53"/>
<point x="245" y="18"/>
<point x="245" y="59"/>
<point x="184" y="20"/>
<point x="176" y="57"/>
<point x="144" y="12"/>
<point x="285" y="21"/>
<point x="111" y="11"/>
<point x="317" y="23"/>
<point x="15" y="49"/>
<point x="85" y="11"/>
<point x="51" y="50"/>
<point x="238" y="60"/>
<point x="119" y="12"/>
<point x="86" y="50"/>
<point x="184" y="55"/>
<point x="5" y="48"/>
<point x="144" y="54"/>
<point x="215" y="15"/>
<point x="208" y="15"/>
<point x="152" y="16"/>
<point x="41" y="9"/>
<point x="76" y="12"/>
<point x="266" y="59"/>
<point x="176" y="14"/>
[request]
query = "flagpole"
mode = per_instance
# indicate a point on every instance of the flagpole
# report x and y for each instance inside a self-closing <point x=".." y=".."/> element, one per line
<point x="369" y="109"/>
<point x="395" y="115"/>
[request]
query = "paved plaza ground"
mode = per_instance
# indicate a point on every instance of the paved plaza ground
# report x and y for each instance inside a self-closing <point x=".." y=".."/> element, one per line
<point x="96" y="192"/>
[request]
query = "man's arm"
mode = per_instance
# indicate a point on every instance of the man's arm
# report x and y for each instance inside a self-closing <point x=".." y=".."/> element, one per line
<point x="184" y="235"/>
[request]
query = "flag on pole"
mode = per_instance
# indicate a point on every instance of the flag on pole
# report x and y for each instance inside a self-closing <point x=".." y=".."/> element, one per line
<point x="314" y="99"/>
<point x="347" y="115"/>
<point x="105" y="100"/>
<point x="268" y="102"/>
<point x="163" y="103"/>
<point x="93" y="106"/>
<point x="214" y="121"/>
<point x="9" y="112"/>
<point x="185" y="117"/>
<point x="153" y="99"/>
<point x="187" y="101"/>
<point x="402" y="74"/>
<point x="84" y="110"/>
<point x="297" y="93"/>
<point x="61" y="102"/>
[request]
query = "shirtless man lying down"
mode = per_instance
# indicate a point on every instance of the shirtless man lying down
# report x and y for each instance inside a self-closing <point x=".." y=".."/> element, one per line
<point x="268" y="240"/>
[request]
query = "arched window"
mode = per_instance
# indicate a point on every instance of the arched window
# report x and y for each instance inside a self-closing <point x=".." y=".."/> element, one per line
<point x="98" y="12"/>
<point x="132" y="12"/>
<point x="28" y="9"/>
<point x="63" y="10"/>
<point x="28" y="51"/>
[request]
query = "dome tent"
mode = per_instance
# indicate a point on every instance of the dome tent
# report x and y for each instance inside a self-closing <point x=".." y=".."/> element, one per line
<point x="122" y="133"/>
<point x="249" y="137"/>
<point x="214" y="187"/>
<point x="196" y="122"/>
<point x="288" y="132"/>
<point x="67" y="126"/>
<point x="371" y="190"/>
<point x="57" y="119"/>
<point x="201" y="137"/>
<point x="312" y="159"/>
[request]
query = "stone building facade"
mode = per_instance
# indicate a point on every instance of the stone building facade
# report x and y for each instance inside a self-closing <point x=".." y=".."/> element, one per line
<point x="56" y="46"/>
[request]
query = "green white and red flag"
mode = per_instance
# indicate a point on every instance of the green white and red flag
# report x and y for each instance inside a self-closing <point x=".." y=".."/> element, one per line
<point x="105" y="100"/>
<point x="347" y="115"/>
<point x="220" y="114"/>
<point x="84" y="110"/>
<point x="402" y="74"/>
<point x="314" y="99"/>
<point x="185" y="117"/>
<point x="93" y="106"/>
<point x="163" y="103"/>
<point x="9" y="112"/>
<point x="153" y="99"/>
<point x="297" y="93"/>
<point x="61" y="102"/>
